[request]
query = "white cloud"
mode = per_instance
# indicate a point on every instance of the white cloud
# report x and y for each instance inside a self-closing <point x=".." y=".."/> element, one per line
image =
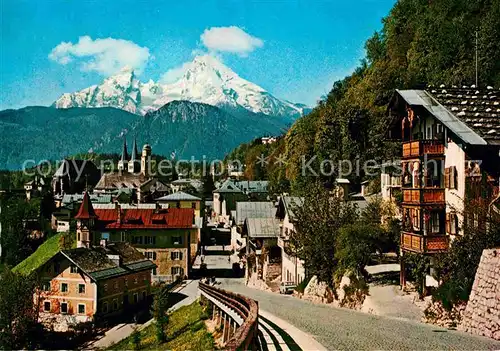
<point x="230" y="39"/>
<point x="105" y="56"/>
<point x="174" y="74"/>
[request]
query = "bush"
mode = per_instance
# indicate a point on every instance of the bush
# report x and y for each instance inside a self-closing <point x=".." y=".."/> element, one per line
<point x="302" y="285"/>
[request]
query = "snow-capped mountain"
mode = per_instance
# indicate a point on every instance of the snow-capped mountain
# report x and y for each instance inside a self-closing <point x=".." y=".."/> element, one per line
<point x="204" y="80"/>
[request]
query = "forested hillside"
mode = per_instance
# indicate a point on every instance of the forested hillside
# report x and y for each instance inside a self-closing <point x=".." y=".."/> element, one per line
<point x="422" y="42"/>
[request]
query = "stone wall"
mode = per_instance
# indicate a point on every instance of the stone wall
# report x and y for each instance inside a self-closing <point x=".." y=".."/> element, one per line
<point x="482" y="315"/>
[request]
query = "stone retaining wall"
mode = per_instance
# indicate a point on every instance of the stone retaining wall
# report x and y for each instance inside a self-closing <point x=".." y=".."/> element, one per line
<point x="482" y="315"/>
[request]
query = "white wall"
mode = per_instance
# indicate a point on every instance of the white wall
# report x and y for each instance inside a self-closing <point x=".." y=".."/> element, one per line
<point x="455" y="156"/>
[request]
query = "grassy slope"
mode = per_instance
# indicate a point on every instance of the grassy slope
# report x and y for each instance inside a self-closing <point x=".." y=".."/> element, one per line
<point x="44" y="252"/>
<point x="185" y="331"/>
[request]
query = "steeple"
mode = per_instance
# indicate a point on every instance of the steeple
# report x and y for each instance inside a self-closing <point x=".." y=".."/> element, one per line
<point x="122" y="164"/>
<point x="85" y="222"/>
<point x="134" y="166"/>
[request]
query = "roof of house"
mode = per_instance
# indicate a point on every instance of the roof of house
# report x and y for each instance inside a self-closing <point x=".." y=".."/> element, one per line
<point x="86" y="210"/>
<point x="262" y="227"/>
<point x="95" y="198"/>
<point x="245" y="186"/>
<point x="288" y="203"/>
<point x="262" y="209"/>
<point x="146" y="218"/>
<point x="96" y="263"/>
<point x="118" y="180"/>
<point x="471" y="114"/>
<point x="179" y="196"/>
<point x="228" y="186"/>
<point x="78" y="170"/>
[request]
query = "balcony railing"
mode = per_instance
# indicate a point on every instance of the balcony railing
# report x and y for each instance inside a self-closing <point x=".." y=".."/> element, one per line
<point x="423" y="196"/>
<point x="422" y="147"/>
<point x="424" y="243"/>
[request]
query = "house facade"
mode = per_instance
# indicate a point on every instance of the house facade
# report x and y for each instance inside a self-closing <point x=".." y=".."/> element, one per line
<point x="450" y="149"/>
<point x="167" y="236"/>
<point x="90" y="284"/>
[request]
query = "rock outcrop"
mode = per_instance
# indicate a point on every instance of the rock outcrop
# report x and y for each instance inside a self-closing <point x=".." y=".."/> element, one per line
<point x="482" y="314"/>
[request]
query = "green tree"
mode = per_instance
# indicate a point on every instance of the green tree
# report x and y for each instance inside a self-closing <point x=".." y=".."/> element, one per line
<point x="18" y="317"/>
<point x="160" y="308"/>
<point x="317" y="224"/>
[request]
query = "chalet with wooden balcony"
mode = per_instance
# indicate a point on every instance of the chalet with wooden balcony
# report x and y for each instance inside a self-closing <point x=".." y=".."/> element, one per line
<point x="450" y="145"/>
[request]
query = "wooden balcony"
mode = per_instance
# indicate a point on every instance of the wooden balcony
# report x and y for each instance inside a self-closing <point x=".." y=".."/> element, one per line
<point x="418" y="196"/>
<point x="418" y="148"/>
<point x="424" y="243"/>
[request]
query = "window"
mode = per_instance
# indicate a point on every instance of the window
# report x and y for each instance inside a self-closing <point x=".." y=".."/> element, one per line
<point x="115" y="304"/>
<point x="81" y="308"/>
<point x="193" y="205"/>
<point x="64" y="287"/>
<point x="151" y="255"/>
<point x="137" y="240"/>
<point x="178" y="204"/>
<point x="176" y="255"/>
<point x="116" y="285"/>
<point x="416" y="218"/>
<point x="150" y="240"/>
<point x="64" y="307"/>
<point x="74" y="269"/>
<point x="123" y="237"/>
<point x="104" y="307"/>
<point x="177" y="271"/>
<point x="46" y="306"/>
<point x="105" y="287"/>
<point x="46" y="286"/>
<point x="136" y="298"/>
<point x="104" y="236"/>
<point x="450" y="178"/>
<point x="81" y="288"/>
<point x="434" y="225"/>
<point x="126" y="282"/>
<point x="153" y="271"/>
<point x="177" y="240"/>
<point x="136" y="281"/>
<point x="451" y="223"/>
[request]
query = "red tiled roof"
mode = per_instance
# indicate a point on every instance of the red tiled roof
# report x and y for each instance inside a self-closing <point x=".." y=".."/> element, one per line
<point x="146" y="218"/>
<point x="86" y="210"/>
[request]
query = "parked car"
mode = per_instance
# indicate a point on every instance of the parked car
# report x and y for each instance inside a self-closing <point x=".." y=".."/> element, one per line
<point x="287" y="287"/>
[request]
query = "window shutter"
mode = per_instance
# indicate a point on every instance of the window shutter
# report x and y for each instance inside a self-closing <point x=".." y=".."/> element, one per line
<point x="447" y="178"/>
<point x="180" y="255"/>
<point x="448" y="227"/>
<point x="154" y="255"/>
<point x="453" y="178"/>
<point x="171" y="255"/>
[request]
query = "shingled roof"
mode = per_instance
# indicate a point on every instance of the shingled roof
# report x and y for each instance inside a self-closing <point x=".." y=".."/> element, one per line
<point x="86" y="210"/>
<point x="96" y="263"/>
<point x="478" y="108"/>
<point x="473" y="114"/>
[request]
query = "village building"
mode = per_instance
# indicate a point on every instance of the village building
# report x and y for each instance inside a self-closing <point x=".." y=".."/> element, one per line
<point x="133" y="174"/>
<point x="244" y="210"/>
<point x="292" y="267"/>
<point x="263" y="255"/>
<point x="450" y="158"/>
<point x="93" y="283"/>
<point x="73" y="177"/>
<point x="167" y="236"/>
<point x="35" y="187"/>
<point x="185" y="184"/>
<point x="181" y="199"/>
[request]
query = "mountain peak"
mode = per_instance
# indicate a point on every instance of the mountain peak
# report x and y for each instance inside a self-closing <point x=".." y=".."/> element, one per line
<point x="206" y="79"/>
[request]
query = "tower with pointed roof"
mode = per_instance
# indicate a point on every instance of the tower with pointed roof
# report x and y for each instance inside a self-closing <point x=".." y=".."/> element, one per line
<point x="123" y="163"/>
<point x="134" y="165"/>
<point x="85" y="222"/>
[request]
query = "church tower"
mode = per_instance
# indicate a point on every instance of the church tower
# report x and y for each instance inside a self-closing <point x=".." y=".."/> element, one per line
<point x="146" y="160"/>
<point x="85" y="222"/>
<point x="134" y="166"/>
<point x="122" y="164"/>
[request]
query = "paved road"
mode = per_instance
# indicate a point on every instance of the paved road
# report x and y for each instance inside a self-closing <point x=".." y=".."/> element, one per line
<point x="337" y="328"/>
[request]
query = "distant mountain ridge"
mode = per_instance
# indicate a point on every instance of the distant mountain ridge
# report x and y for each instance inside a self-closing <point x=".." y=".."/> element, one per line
<point x="181" y="127"/>
<point x="205" y="80"/>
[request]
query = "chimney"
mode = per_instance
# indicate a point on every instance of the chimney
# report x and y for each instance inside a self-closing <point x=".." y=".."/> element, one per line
<point x="116" y="259"/>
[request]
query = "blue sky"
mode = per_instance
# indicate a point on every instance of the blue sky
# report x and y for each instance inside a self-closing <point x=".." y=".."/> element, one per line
<point x="299" y="47"/>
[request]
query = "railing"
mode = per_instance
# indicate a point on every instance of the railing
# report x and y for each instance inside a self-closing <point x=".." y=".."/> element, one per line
<point x="246" y="310"/>
<point x="422" y="147"/>
<point x="423" y="196"/>
<point x="424" y="243"/>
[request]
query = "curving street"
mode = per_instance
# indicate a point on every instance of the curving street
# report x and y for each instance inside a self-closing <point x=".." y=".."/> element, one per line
<point x="337" y="328"/>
